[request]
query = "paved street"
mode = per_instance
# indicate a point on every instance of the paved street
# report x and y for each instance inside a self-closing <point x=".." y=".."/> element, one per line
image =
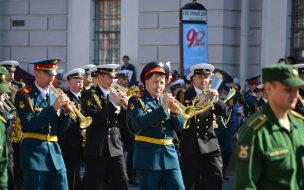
<point x="227" y="184"/>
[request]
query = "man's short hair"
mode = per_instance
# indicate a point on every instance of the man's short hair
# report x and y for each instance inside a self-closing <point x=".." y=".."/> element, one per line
<point x="125" y="56"/>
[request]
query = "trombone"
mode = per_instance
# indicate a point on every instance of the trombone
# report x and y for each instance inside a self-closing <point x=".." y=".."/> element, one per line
<point x="71" y="109"/>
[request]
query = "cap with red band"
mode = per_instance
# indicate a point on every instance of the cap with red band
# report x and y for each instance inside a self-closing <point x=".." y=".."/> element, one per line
<point x="48" y="66"/>
<point x="154" y="67"/>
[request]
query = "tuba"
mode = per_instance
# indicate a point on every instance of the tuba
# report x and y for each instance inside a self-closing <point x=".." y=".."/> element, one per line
<point x="204" y="100"/>
<point x="72" y="110"/>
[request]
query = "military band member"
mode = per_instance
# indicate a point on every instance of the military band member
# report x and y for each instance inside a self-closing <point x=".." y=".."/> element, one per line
<point x="223" y="131"/>
<point x="14" y="170"/>
<point x="86" y="79"/>
<point x="199" y="149"/>
<point x="58" y="79"/>
<point x="300" y="104"/>
<point x="175" y="76"/>
<point x="249" y="96"/>
<point x="176" y="86"/>
<point x="3" y="141"/>
<point x="270" y="146"/>
<point x="262" y="100"/>
<point x="73" y="137"/>
<point x="103" y="148"/>
<point x="155" y="158"/>
<point x="41" y="117"/>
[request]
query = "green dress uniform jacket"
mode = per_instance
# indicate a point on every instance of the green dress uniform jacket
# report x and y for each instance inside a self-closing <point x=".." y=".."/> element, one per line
<point x="39" y="154"/>
<point x="151" y="120"/>
<point x="3" y="155"/>
<point x="269" y="156"/>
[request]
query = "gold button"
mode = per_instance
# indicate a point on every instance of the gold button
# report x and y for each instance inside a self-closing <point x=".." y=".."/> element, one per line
<point x="197" y="134"/>
<point x="109" y="136"/>
<point x="116" y="128"/>
<point x="165" y="135"/>
<point x="205" y="134"/>
<point x="198" y="127"/>
<point x="109" y="129"/>
<point x="115" y="121"/>
<point x="206" y="119"/>
<point x="197" y="120"/>
<point x="164" y="128"/>
<point x="206" y="127"/>
<point x="162" y="122"/>
<point x="109" y="122"/>
<point x="116" y="136"/>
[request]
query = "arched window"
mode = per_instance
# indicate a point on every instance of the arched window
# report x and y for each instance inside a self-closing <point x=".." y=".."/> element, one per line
<point x="107" y="32"/>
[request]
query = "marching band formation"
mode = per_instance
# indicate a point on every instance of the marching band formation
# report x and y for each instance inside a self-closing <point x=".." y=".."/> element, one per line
<point x="157" y="134"/>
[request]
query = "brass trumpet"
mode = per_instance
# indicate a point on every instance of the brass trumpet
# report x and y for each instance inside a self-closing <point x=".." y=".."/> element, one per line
<point x="185" y="112"/>
<point x="115" y="88"/>
<point x="72" y="110"/>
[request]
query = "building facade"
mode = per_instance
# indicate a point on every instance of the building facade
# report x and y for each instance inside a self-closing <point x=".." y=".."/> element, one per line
<point x="102" y="31"/>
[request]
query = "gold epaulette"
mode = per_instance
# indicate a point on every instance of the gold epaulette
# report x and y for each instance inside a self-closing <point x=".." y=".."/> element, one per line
<point x="25" y="92"/>
<point x="2" y="119"/>
<point x="257" y="122"/>
<point x="296" y="114"/>
<point x="96" y="100"/>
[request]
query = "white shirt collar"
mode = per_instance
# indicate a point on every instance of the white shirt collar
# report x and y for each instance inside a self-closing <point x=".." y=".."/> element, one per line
<point x="197" y="90"/>
<point x="42" y="91"/>
<point x="105" y="92"/>
<point x="265" y="100"/>
<point x="76" y="95"/>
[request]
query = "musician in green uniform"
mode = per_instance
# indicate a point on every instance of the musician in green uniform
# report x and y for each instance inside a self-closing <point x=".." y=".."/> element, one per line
<point x="155" y="158"/>
<point x="270" y="152"/>
<point x="3" y="142"/>
<point x="39" y="109"/>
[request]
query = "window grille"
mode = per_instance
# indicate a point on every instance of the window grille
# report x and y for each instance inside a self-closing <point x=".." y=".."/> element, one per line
<point x="107" y="32"/>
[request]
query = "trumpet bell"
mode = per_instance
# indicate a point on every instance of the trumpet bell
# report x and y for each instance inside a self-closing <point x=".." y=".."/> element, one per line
<point x="12" y="114"/>
<point x="86" y="122"/>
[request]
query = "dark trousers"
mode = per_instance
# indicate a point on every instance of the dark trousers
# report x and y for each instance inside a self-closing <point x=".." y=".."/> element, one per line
<point x="223" y="135"/>
<point x="72" y="156"/>
<point x="160" y="179"/>
<point x="18" y="178"/>
<point x="96" y="168"/>
<point x="209" y="166"/>
<point x="129" y="140"/>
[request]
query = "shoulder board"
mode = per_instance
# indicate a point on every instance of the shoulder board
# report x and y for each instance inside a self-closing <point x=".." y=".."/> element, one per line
<point x="93" y="91"/>
<point x="257" y="121"/>
<point x="26" y="90"/>
<point x="296" y="114"/>
<point x="2" y="119"/>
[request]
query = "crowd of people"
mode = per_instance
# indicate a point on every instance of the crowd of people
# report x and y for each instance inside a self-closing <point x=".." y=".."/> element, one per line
<point x="161" y="132"/>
